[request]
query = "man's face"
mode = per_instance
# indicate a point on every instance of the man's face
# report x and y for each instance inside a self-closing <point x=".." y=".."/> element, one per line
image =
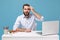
<point x="26" y="10"/>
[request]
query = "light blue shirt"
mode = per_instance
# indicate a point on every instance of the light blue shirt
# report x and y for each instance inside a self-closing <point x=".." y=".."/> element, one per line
<point x="28" y="23"/>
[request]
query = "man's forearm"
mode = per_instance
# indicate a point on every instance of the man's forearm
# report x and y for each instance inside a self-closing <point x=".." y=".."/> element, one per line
<point x="23" y="30"/>
<point x="17" y="30"/>
<point x="20" y="30"/>
<point x="35" y="13"/>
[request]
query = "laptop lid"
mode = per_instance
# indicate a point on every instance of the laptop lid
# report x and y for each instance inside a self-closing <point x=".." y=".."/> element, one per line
<point x="50" y="27"/>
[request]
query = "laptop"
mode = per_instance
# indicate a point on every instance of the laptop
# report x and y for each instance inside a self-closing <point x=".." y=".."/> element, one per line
<point x="50" y="27"/>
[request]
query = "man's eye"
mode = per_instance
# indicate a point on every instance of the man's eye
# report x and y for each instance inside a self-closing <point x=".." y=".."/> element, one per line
<point x="28" y="9"/>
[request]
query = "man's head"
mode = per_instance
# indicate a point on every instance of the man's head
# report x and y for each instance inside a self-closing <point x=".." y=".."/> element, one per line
<point x="26" y="9"/>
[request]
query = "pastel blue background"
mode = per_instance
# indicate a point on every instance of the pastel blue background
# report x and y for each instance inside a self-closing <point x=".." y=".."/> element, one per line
<point x="10" y="9"/>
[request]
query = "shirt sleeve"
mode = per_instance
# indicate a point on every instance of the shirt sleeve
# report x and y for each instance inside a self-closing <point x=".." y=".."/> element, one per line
<point x="17" y="23"/>
<point x="41" y="19"/>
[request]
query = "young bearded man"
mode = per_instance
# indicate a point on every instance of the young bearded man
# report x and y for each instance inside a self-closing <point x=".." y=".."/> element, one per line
<point x="26" y="21"/>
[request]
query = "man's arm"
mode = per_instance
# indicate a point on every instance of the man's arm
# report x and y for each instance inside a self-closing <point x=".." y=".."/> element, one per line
<point x="35" y="13"/>
<point x="20" y="30"/>
<point x="17" y="23"/>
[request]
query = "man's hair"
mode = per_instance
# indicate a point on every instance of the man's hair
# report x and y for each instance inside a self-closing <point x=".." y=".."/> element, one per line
<point x="25" y="5"/>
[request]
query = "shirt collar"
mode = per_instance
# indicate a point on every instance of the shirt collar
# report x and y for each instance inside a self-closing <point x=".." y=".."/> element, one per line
<point x="29" y="16"/>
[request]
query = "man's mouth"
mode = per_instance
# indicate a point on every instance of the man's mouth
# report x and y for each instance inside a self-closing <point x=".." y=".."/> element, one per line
<point x="26" y="12"/>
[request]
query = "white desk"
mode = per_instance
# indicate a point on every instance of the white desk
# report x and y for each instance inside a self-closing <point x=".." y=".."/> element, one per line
<point x="29" y="36"/>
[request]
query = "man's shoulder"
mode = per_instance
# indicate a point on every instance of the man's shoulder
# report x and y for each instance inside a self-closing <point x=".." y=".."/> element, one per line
<point x="20" y="16"/>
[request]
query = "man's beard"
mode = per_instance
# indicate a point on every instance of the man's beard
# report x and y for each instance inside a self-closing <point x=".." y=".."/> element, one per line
<point x="26" y="15"/>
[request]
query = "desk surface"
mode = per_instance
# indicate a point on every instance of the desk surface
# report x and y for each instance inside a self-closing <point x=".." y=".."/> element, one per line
<point x="27" y="34"/>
